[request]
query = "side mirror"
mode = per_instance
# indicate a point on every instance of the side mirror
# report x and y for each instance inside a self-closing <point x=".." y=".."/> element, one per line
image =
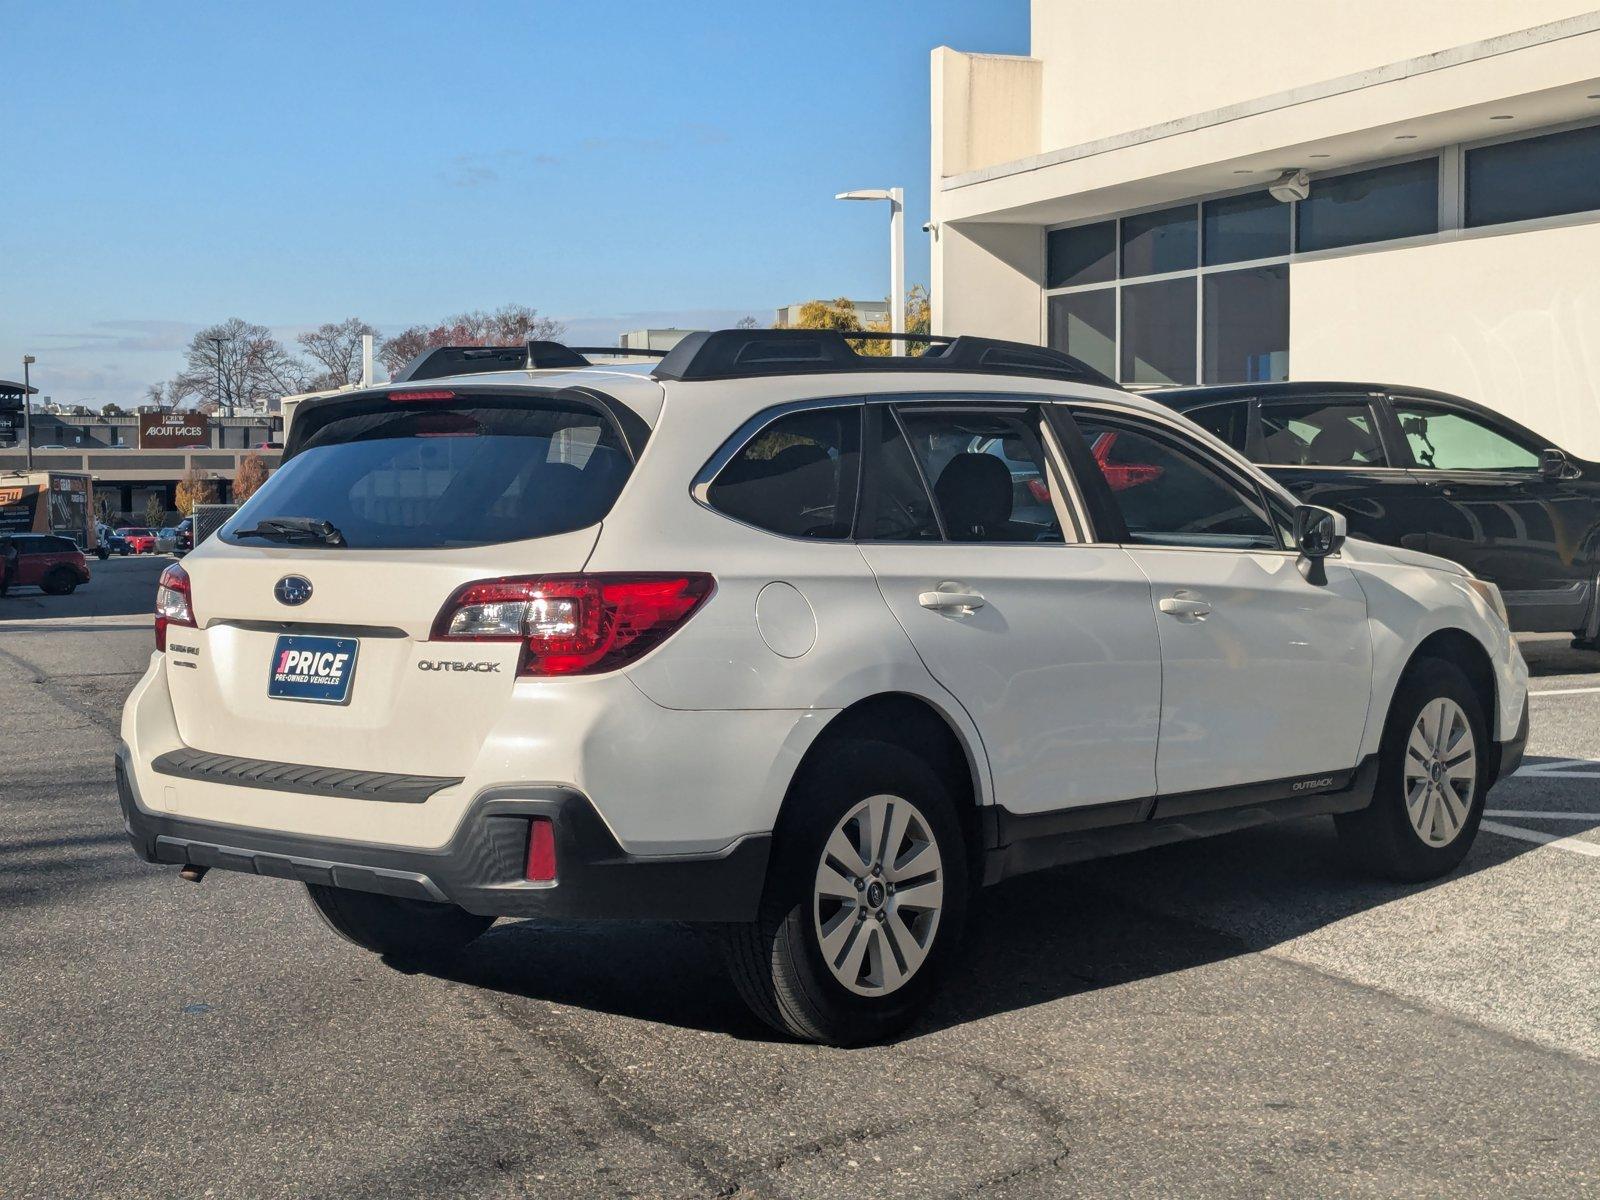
<point x="1318" y="532"/>
<point x="1554" y="464"/>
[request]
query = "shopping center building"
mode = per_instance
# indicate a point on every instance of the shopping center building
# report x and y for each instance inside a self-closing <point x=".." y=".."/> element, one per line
<point x="1113" y="194"/>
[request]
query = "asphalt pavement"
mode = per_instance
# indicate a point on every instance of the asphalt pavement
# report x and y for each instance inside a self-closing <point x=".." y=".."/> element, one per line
<point x="1237" y="1017"/>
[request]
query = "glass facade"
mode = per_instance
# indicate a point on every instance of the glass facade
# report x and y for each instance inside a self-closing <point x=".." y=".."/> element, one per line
<point x="1370" y="206"/>
<point x="1158" y="343"/>
<point x="1084" y="324"/>
<point x="1245" y="330"/>
<point x="1082" y="254"/>
<point x="1548" y="176"/>
<point x="1159" y="242"/>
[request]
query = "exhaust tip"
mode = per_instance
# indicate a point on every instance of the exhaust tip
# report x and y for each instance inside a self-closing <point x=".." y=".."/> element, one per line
<point x="193" y="873"/>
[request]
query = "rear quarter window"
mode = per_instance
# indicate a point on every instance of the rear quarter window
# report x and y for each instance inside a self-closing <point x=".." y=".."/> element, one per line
<point x="796" y="477"/>
<point x="480" y="471"/>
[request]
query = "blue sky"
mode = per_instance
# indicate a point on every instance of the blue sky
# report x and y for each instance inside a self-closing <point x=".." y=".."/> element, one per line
<point x="612" y="164"/>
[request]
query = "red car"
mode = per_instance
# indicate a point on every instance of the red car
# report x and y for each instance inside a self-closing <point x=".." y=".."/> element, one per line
<point x="139" y="539"/>
<point x="52" y="564"/>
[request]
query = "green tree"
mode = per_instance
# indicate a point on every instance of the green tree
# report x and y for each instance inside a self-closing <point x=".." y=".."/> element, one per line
<point x="919" y="319"/>
<point x="112" y="410"/>
<point x="155" y="510"/>
<point x="837" y="314"/>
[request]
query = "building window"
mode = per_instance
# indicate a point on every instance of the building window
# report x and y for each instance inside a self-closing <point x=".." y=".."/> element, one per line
<point x="1370" y="206"/>
<point x="1158" y="343"/>
<point x="1084" y="324"/>
<point x="1084" y="254"/>
<point x="1159" y="242"/>
<point x="1245" y="335"/>
<point x="1545" y="176"/>
<point x="1241" y="228"/>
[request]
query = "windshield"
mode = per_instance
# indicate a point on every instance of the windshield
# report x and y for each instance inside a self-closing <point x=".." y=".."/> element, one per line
<point x="467" y="474"/>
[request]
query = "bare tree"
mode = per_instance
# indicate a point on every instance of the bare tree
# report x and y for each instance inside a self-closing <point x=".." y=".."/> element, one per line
<point x="251" y="365"/>
<point x="510" y="325"/>
<point x="336" y="348"/>
<point x="747" y="323"/>
<point x="163" y="395"/>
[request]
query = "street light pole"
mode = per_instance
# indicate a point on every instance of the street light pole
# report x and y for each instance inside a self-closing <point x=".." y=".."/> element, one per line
<point x="27" y="407"/>
<point x="897" y="254"/>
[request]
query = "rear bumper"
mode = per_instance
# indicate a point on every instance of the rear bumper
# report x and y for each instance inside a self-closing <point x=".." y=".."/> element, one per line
<point x="481" y="869"/>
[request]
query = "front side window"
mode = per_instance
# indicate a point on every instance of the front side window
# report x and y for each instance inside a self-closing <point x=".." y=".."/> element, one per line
<point x="1319" y="433"/>
<point x="1171" y="492"/>
<point x="1442" y="439"/>
<point x="988" y="474"/>
<point x="797" y="477"/>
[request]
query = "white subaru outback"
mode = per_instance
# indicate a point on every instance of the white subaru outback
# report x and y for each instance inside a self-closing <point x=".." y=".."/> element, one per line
<point x="793" y="641"/>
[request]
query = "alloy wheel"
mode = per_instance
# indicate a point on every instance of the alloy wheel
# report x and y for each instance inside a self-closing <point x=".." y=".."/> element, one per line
<point x="1441" y="772"/>
<point x="878" y="894"/>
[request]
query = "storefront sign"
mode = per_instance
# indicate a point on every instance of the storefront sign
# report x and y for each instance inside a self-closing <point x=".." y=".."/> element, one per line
<point x="174" y="431"/>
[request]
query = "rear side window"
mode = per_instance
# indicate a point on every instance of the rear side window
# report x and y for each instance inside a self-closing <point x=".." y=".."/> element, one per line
<point x="480" y="471"/>
<point x="797" y="477"/>
<point x="987" y="473"/>
<point x="1319" y="433"/>
<point x="1230" y="422"/>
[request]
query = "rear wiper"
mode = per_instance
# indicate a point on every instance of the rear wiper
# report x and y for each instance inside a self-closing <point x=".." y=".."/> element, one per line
<point x="295" y="529"/>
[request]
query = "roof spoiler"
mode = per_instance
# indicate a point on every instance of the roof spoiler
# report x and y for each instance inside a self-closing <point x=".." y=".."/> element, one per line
<point x="751" y="353"/>
<point x="443" y="361"/>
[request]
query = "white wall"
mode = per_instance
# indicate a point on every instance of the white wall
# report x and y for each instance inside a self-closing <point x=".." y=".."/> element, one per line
<point x="995" y="270"/>
<point x="1511" y="321"/>
<point x="1110" y="66"/>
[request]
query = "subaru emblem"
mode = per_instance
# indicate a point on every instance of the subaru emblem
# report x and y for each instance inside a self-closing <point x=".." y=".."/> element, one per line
<point x="292" y="589"/>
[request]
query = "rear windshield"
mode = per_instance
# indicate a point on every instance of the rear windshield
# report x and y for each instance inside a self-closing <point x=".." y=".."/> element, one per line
<point x="461" y="475"/>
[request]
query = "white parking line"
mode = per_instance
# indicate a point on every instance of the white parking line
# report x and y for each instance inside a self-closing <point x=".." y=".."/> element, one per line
<point x="1589" y="691"/>
<point x="1542" y="816"/>
<point x="1562" y="768"/>
<point x="1576" y="845"/>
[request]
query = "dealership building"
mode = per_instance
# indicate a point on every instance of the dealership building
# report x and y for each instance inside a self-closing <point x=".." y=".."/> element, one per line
<point x="1213" y="193"/>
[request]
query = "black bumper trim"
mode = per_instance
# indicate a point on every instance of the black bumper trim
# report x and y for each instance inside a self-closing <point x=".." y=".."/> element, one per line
<point x="1512" y="749"/>
<point x="338" y="782"/>
<point x="481" y="869"/>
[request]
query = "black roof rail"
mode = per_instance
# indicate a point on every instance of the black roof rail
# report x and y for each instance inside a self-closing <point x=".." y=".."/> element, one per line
<point x="442" y="361"/>
<point x="750" y="353"/>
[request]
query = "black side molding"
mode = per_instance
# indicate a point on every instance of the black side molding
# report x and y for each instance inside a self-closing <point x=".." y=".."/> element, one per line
<point x="189" y="763"/>
<point x="1022" y="842"/>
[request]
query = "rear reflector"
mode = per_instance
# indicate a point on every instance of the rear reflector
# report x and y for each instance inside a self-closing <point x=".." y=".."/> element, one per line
<point x="541" y="866"/>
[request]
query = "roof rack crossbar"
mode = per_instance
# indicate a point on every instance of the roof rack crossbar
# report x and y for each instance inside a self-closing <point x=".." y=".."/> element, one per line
<point x="751" y="353"/>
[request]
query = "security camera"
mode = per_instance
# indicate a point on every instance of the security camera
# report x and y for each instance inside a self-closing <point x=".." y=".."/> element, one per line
<point x="1293" y="184"/>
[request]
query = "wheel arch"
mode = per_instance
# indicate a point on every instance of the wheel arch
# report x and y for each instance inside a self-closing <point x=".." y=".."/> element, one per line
<point x="1468" y="655"/>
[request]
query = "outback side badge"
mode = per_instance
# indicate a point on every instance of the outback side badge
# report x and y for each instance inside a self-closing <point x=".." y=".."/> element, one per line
<point x="292" y="589"/>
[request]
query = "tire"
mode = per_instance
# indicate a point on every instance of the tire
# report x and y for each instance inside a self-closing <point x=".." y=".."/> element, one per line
<point x="102" y="553"/>
<point x="778" y="962"/>
<point x="406" y="930"/>
<point x="59" y="583"/>
<point x="1383" y="838"/>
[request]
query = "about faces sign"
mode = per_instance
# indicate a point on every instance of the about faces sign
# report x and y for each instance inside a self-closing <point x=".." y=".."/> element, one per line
<point x="174" y="430"/>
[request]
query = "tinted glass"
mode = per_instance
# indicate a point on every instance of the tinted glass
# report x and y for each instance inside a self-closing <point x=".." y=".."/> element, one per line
<point x="903" y="511"/>
<point x="988" y="475"/>
<point x="1171" y="494"/>
<point x="1084" y="254"/>
<point x="1537" y="177"/>
<point x="409" y="477"/>
<point x="1230" y="422"/>
<point x="797" y="476"/>
<point x="1084" y="324"/>
<point x="1246" y="329"/>
<point x="1371" y="206"/>
<point x="1158" y="332"/>
<point x="1160" y="241"/>
<point x="1245" y="227"/>
<point x="1319" y="433"/>
<point x="1443" y="440"/>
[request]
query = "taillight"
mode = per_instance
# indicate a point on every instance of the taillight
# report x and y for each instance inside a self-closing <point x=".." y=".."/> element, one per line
<point x="574" y="624"/>
<point x="1039" y="490"/>
<point x="1120" y="477"/>
<point x="174" y="602"/>
<point x="427" y="396"/>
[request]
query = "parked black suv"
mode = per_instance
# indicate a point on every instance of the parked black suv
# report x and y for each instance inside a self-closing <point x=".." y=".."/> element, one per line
<point x="1432" y="472"/>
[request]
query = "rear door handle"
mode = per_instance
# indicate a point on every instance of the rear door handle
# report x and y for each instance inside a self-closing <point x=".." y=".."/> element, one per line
<point x="1186" y="606"/>
<point x="952" y="597"/>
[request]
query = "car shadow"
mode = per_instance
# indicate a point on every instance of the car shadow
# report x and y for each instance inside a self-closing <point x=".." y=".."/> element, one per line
<point x="1031" y="940"/>
<point x="1554" y="655"/>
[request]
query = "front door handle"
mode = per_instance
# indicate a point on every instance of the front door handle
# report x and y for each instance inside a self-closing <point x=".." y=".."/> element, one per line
<point x="955" y="598"/>
<point x="1186" y="606"/>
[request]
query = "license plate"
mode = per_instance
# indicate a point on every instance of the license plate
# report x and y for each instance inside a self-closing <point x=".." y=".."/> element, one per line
<point x="316" y="669"/>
